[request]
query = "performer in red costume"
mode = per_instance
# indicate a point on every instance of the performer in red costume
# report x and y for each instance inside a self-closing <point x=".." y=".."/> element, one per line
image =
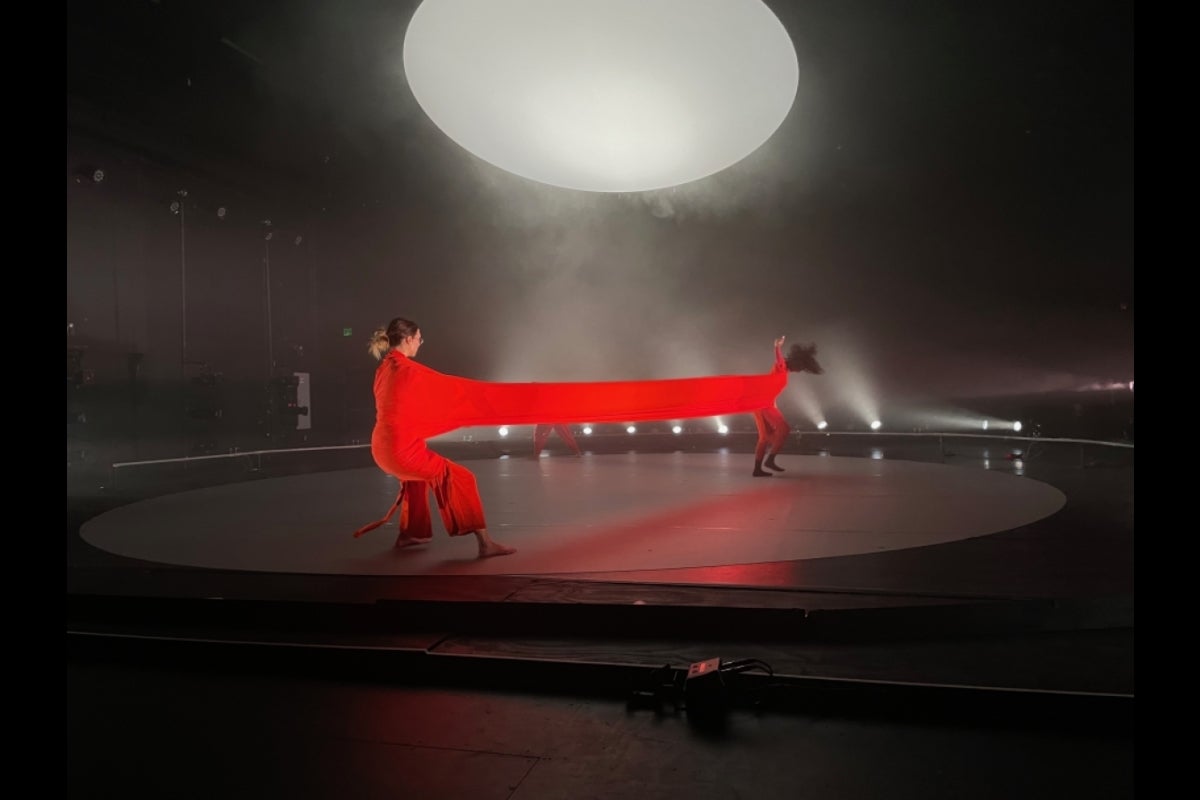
<point x="414" y="403"/>
<point x="772" y="427"/>
<point x="400" y="450"/>
<point x="542" y="432"/>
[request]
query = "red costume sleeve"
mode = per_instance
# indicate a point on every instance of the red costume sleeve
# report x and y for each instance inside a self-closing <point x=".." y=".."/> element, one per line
<point x="426" y="403"/>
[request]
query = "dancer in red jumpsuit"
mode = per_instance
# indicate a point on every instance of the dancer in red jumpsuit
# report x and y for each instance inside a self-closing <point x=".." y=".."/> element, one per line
<point x="772" y="427"/>
<point x="542" y="432"/>
<point x="400" y="450"/>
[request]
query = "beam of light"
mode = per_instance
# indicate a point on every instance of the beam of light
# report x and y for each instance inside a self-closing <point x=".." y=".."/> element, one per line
<point x="603" y="95"/>
<point x="1105" y="386"/>
<point x="803" y="398"/>
<point x="848" y="381"/>
<point x="946" y="419"/>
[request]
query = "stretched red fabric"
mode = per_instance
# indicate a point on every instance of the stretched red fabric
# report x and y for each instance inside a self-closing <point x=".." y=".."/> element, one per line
<point x="423" y="402"/>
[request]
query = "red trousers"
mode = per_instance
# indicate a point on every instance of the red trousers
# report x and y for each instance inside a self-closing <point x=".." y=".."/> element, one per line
<point x="457" y="498"/>
<point x="542" y="432"/>
<point x="420" y="470"/>
<point x="772" y="431"/>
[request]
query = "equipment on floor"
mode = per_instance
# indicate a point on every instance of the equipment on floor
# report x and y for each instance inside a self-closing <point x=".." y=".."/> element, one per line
<point x="707" y="690"/>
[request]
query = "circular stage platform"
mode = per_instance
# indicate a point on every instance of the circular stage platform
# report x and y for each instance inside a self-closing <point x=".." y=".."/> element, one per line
<point x="610" y="513"/>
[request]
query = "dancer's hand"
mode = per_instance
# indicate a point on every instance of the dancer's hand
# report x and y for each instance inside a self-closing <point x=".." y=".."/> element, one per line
<point x="779" y="342"/>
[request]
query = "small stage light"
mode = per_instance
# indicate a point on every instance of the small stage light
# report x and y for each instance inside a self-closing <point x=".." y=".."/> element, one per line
<point x="822" y="425"/>
<point x="876" y="425"/>
<point x="85" y="173"/>
<point x="1017" y="426"/>
<point x="677" y="429"/>
<point x="631" y="429"/>
<point x="221" y="212"/>
<point x="587" y="430"/>
<point x="503" y="430"/>
<point x="722" y="429"/>
<point x="985" y="424"/>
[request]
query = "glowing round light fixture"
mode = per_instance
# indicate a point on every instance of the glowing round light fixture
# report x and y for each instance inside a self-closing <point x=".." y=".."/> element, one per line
<point x="503" y="430"/>
<point x="631" y="430"/>
<point x="587" y="430"/>
<point x="822" y="425"/>
<point x="603" y="95"/>
<point x="677" y="429"/>
<point x="876" y="425"/>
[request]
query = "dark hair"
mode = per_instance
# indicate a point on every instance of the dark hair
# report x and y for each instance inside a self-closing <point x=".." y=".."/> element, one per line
<point x="803" y="358"/>
<point x="396" y="332"/>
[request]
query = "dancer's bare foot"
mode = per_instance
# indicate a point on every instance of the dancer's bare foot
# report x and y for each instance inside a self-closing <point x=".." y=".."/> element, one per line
<point x="495" y="549"/>
<point x="406" y="541"/>
<point x="489" y="548"/>
<point x="758" y="473"/>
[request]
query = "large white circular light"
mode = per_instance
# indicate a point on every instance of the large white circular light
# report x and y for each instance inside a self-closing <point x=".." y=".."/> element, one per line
<point x="603" y="95"/>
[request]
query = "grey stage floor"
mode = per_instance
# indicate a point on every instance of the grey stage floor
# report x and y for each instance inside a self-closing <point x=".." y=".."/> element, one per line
<point x="617" y="513"/>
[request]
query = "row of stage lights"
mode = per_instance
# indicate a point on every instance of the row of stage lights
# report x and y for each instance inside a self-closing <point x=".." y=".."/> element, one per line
<point x="723" y="429"/>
